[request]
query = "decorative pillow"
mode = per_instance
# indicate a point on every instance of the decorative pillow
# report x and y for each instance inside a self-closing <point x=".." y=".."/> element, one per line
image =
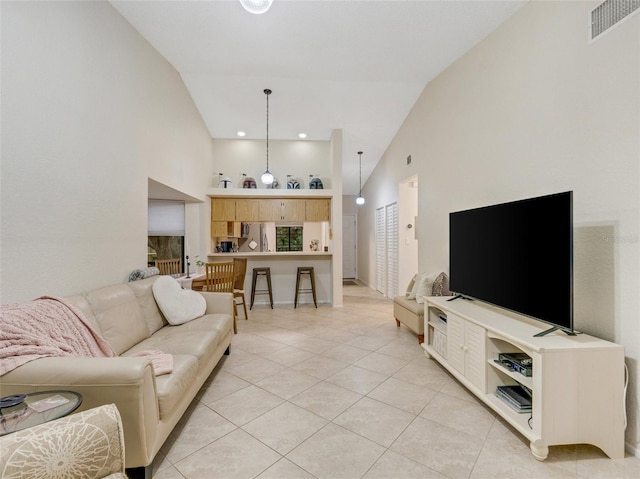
<point x="143" y="273"/>
<point x="441" y="286"/>
<point x="414" y="287"/>
<point x="425" y="286"/>
<point x="178" y="305"/>
<point x="410" y="285"/>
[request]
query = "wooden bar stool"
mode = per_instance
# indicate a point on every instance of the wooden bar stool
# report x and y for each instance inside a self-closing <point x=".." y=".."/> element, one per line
<point x="261" y="272"/>
<point x="305" y="270"/>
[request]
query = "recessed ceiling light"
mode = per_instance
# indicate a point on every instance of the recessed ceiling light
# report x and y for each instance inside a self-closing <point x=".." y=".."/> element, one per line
<point x="302" y="135"/>
<point x="241" y="133"/>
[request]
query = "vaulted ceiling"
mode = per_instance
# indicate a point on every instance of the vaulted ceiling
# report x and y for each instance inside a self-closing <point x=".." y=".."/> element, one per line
<point x="354" y="65"/>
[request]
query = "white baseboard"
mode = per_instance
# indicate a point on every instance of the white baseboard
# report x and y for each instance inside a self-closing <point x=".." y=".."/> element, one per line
<point x="634" y="451"/>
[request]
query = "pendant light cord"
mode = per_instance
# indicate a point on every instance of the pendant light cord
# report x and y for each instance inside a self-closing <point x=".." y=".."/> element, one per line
<point x="360" y="161"/>
<point x="267" y="92"/>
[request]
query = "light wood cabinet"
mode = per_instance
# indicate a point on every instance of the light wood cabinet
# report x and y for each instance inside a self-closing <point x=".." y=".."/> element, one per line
<point x="294" y="210"/>
<point x="267" y="209"/>
<point x="576" y="382"/>
<point x="218" y="229"/>
<point x="247" y="210"/>
<point x="318" y="210"/>
<point x="282" y="210"/>
<point x="223" y="209"/>
<point x="270" y="210"/>
<point x="228" y="229"/>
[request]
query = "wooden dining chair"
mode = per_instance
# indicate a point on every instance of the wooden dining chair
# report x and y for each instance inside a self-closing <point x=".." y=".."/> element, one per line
<point x="220" y="278"/>
<point x="169" y="266"/>
<point x="238" y="286"/>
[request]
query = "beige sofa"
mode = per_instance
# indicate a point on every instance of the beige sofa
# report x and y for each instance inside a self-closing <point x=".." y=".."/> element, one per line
<point x="128" y="318"/>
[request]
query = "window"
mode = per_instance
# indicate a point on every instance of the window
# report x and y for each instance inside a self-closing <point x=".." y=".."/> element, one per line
<point x="165" y="229"/>
<point x="164" y="247"/>
<point x="288" y="238"/>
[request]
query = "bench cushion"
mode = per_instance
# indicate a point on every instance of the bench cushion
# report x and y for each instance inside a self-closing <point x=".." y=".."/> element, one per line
<point x="410" y="304"/>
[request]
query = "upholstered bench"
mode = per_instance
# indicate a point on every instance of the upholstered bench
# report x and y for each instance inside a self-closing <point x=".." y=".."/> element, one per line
<point x="410" y="313"/>
<point x="408" y="309"/>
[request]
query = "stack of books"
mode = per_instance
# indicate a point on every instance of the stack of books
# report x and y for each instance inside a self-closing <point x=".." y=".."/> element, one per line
<point x="518" y="397"/>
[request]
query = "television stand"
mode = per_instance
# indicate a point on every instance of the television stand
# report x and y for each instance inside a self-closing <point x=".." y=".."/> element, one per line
<point x="459" y="296"/>
<point x="568" y="332"/>
<point x="577" y="382"/>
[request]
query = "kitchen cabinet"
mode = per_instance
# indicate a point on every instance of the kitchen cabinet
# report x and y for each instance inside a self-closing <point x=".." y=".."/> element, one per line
<point x="218" y="229"/>
<point x="227" y="229"/>
<point x="318" y="210"/>
<point x="223" y="209"/>
<point x="247" y="210"/>
<point x="282" y="210"/>
<point x="252" y="210"/>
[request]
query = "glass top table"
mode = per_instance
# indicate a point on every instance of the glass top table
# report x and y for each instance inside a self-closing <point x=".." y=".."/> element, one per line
<point x="38" y="408"/>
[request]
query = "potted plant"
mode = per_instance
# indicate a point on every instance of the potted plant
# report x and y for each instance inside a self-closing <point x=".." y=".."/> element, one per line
<point x="199" y="265"/>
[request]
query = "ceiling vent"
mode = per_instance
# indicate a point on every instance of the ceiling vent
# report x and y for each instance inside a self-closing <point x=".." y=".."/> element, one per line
<point x="608" y="14"/>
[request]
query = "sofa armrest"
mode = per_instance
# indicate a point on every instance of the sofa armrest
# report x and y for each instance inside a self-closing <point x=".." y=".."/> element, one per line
<point x="218" y="302"/>
<point x="90" y="442"/>
<point x="127" y="382"/>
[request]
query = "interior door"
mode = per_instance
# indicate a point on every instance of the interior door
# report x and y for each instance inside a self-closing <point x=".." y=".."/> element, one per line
<point x="381" y="261"/>
<point x="392" y="249"/>
<point x="349" y="247"/>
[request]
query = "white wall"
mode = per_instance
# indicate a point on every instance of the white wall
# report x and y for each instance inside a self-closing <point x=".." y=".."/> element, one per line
<point x="407" y="239"/>
<point x="89" y="111"/>
<point x="534" y="109"/>
<point x="299" y="158"/>
<point x="349" y="206"/>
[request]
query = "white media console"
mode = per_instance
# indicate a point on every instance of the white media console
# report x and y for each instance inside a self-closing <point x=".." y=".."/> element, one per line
<point x="577" y="382"/>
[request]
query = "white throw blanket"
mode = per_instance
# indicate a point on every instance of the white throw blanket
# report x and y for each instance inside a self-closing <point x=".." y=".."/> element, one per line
<point x="51" y="327"/>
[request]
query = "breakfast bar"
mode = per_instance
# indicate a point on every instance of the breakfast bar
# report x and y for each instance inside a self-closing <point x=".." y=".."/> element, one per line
<point x="283" y="274"/>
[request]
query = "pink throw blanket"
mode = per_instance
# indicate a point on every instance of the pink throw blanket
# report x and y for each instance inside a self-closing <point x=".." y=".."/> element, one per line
<point x="51" y="327"/>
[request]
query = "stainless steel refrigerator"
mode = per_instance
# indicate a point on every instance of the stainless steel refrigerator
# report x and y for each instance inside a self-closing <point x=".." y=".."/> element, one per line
<point x="253" y="238"/>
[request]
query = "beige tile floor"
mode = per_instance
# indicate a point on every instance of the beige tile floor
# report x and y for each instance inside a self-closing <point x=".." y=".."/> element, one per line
<point x="344" y="393"/>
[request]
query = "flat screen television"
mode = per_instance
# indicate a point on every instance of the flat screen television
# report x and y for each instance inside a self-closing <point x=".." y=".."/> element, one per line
<point x="518" y="256"/>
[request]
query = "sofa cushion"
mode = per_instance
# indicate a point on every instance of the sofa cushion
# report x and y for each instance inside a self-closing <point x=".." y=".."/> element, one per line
<point x="178" y="305"/>
<point x="171" y="387"/>
<point x="410" y="304"/>
<point x="152" y="315"/>
<point x="83" y="305"/>
<point x="118" y="313"/>
<point x="199" y="337"/>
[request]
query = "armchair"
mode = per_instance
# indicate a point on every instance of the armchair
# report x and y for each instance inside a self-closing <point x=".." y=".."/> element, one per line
<point x="88" y="445"/>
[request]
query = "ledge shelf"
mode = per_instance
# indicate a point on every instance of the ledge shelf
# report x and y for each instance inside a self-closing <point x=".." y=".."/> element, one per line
<point x="267" y="193"/>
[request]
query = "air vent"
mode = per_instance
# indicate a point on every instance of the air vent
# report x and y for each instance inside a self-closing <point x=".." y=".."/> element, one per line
<point x="610" y="13"/>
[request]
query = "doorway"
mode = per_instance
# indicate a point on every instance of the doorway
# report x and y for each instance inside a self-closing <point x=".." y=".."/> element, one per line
<point x="349" y="246"/>
<point x="408" y="230"/>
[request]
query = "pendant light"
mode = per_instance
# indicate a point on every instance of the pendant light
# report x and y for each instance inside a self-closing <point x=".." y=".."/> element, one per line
<point x="360" y="198"/>
<point x="267" y="177"/>
<point x="256" y="6"/>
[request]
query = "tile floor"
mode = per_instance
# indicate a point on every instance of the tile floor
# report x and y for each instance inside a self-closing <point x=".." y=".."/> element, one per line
<point x="344" y="393"/>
